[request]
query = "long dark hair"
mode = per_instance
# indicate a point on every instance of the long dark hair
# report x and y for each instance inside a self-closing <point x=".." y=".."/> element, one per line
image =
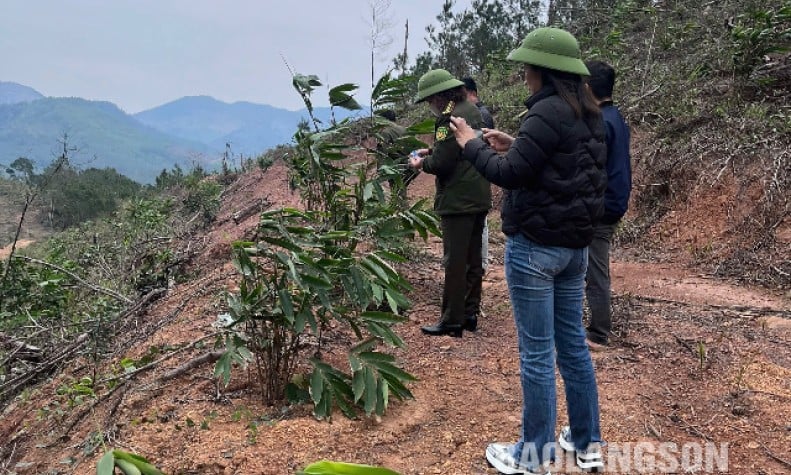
<point x="571" y="89"/>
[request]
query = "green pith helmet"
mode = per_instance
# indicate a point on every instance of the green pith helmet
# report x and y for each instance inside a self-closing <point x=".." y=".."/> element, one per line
<point x="551" y="48"/>
<point x="434" y="81"/>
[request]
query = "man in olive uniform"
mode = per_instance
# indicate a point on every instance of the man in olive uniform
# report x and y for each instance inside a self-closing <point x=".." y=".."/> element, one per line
<point x="463" y="198"/>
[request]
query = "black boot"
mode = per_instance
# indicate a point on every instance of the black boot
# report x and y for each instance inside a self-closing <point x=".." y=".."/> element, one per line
<point x="471" y="322"/>
<point x="443" y="328"/>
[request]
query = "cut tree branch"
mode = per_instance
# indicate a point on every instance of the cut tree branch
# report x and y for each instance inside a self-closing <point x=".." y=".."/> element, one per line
<point x="79" y="279"/>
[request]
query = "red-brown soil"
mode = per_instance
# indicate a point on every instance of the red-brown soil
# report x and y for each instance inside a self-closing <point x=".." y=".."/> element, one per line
<point x="694" y="360"/>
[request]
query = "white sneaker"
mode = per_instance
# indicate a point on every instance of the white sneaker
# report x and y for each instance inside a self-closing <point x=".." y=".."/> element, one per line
<point x="589" y="459"/>
<point x="499" y="456"/>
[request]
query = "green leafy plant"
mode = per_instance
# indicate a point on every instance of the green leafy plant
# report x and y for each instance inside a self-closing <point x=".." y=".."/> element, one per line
<point x="759" y="32"/>
<point x="333" y="263"/>
<point x="128" y="463"/>
<point x="326" y="467"/>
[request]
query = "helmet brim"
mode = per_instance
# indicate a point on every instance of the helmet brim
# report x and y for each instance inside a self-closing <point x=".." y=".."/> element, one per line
<point x="548" y="60"/>
<point x="436" y="88"/>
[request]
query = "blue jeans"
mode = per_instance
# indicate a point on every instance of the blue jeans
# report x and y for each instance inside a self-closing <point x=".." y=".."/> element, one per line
<point x="546" y="286"/>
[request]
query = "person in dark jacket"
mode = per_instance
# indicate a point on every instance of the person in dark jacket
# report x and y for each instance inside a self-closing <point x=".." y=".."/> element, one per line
<point x="616" y="201"/>
<point x="471" y="88"/>
<point x="463" y="198"/>
<point x="553" y="172"/>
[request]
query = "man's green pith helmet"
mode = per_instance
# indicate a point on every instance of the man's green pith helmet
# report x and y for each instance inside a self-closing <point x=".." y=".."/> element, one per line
<point x="551" y="48"/>
<point x="434" y="81"/>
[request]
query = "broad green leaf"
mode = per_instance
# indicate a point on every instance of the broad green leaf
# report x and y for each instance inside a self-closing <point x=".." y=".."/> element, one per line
<point x="382" y="400"/>
<point x="391" y="256"/>
<point x="370" y="390"/>
<point x="316" y="385"/>
<point x="372" y="266"/>
<point x="385" y="333"/>
<point x="316" y="282"/>
<point x="358" y="384"/>
<point x="364" y="346"/>
<point x="425" y="127"/>
<point x="282" y="243"/>
<point x="106" y="465"/>
<point x="325" y="467"/>
<point x="223" y="367"/>
<point x="382" y="317"/>
<point x="286" y="304"/>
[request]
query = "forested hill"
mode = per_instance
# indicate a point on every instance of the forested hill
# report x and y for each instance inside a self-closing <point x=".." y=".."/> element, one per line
<point x="102" y="134"/>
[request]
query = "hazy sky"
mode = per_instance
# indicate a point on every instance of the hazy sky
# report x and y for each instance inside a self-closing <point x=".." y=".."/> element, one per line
<point x="142" y="53"/>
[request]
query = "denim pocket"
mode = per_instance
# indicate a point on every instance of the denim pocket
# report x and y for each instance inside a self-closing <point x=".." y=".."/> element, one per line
<point x="547" y="260"/>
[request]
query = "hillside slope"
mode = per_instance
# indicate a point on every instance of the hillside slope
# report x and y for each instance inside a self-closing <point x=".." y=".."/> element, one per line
<point x="654" y="387"/>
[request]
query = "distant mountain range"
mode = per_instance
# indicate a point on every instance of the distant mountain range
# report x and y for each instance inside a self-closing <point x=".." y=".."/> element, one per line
<point x="187" y="131"/>
<point x="249" y="128"/>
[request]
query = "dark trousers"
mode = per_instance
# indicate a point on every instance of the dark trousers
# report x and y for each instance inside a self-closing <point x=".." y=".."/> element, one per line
<point x="597" y="286"/>
<point x="461" y="243"/>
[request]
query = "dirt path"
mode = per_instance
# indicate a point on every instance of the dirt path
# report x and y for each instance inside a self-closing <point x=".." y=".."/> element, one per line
<point x="674" y="283"/>
<point x="21" y="244"/>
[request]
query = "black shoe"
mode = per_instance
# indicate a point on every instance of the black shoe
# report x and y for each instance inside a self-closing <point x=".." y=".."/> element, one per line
<point x="442" y="328"/>
<point x="471" y="323"/>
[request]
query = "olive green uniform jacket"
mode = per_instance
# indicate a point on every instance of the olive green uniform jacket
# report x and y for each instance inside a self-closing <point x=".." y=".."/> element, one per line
<point x="460" y="188"/>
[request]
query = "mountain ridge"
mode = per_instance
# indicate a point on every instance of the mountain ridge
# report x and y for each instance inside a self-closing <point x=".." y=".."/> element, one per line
<point x="14" y="93"/>
<point x="103" y="135"/>
<point x="181" y="132"/>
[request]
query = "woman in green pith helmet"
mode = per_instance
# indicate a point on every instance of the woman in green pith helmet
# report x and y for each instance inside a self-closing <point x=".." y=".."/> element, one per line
<point x="463" y="198"/>
<point x="554" y="175"/>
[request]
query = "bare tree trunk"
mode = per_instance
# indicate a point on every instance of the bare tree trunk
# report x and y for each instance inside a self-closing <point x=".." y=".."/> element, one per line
<point x="551" y="12"/>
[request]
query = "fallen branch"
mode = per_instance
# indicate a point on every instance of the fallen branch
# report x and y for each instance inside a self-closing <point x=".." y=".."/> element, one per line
<point x="131" y="374"/>
<point x="685" y="344"/>
<point x="79" y="280"/>
<point x="758" y="311"/>
<point x="210" y="357"/>
<point x="775" y="457"/>
<point x="14" y="384"/>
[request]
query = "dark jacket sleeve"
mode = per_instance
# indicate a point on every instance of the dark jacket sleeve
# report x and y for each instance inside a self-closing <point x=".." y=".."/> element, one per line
<point x="445" y="152"/>
<point x="537" y="139"/>
<point x="619" y="173"/>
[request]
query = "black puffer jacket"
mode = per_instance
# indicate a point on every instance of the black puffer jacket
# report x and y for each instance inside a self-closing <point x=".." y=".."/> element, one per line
<point x="554" y="174"/>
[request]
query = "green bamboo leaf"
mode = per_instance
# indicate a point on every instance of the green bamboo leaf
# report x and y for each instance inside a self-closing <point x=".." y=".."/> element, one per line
<point x="391" y="256"/>
<point x="316" y="385"/>
<point x="382" y="317"/>
<point x="374" y="268"/>
<point x="143" y="465"/>
<point x="325" y="467"/>
<point x="286" y="305"/>
<point x="397" y="372"/>
<point x="425" y="127"/>
<point x="385" y="333"/>
<point x="366" y="345"/>
<point x="316" y="282"/>
<point x="383" y="399"/>
<point x="370" y="390"/>
<point x="106" y="464"/>
<point x="358" y="384"/>
<point x="378" y="293"/>
<point x="284" y="243"/>
<point x="128" y="467"/>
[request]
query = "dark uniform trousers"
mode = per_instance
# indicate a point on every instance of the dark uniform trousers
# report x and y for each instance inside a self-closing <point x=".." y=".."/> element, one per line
<point x="461" y="242"/>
